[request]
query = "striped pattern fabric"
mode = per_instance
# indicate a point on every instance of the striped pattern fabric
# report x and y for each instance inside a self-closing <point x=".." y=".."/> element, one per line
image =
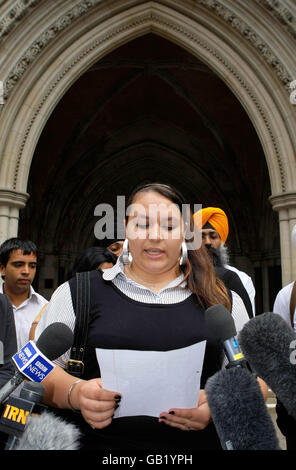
<point x="60" y="307"/>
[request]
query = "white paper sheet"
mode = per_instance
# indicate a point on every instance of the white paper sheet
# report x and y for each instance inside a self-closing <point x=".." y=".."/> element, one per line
<point x="151" y="382"/>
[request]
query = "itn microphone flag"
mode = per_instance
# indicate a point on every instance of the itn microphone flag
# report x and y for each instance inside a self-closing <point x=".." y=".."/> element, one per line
<point x="32" y="363"/>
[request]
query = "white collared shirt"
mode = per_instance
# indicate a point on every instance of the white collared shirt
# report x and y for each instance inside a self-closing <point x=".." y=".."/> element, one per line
<point x="25" y="314"/>
<point x="60" y="307"/>
<point x="247" y="283"/>
<point x="282" y="304"/>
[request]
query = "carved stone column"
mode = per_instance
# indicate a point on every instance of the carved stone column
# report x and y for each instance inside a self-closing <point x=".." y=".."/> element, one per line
<point x="285" y="205"/>
<point x="10" y="204"/>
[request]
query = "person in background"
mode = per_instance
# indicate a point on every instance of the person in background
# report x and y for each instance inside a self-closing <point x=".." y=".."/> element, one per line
<point x="114" y="242"/>
<point x="153" y="299"/>
<point x="8" y="345"/>
<point x="113" y="245"/>
<point x="230" y="278"/>
<point x="215" y="229"/>
<point x="116" y="247"/>
<point x="18" y="262"/>
<point x="94" y="257"/>
<point x="285" y="306"/>
<point x="7" y="348"/>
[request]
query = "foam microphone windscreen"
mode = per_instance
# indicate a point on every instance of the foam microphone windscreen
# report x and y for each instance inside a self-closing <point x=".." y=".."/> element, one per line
<point x="239" y="411"/>
<point x="49" y="432"/>
<point x="267" y="342"/>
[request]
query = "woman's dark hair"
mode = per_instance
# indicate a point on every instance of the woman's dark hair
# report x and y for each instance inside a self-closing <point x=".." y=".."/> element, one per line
<point x="91" y="258"/>
<point x="198" y="271"/>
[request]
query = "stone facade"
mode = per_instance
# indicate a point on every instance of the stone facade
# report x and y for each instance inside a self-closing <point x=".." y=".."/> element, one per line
<point x="47" y="46"/>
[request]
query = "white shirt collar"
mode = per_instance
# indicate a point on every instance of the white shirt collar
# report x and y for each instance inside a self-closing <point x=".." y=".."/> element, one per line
<point x="32" y="293"/>
<point x="117" y="270"/>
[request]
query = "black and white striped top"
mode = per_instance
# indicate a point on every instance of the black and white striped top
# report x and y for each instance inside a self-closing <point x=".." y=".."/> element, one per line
<point x="60" y="307"/>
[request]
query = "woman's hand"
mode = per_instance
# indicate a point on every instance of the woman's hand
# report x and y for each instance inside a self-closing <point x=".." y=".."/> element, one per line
<point x="189" y="419"/>
<point x="96" y="404"/>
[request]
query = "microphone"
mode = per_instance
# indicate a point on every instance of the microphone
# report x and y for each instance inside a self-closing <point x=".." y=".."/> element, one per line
<point x="33" y="361"/>
<point x="17" y="409"/>
<point x="49" y="432"/>
<point x="239" y="412"/>
<point x="221" y="325"/>
<point x="268" y="342"/>
<point x="32" y="391"/>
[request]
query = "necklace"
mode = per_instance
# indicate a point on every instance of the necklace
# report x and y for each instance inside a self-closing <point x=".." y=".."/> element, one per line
<point x="140" y="279"/>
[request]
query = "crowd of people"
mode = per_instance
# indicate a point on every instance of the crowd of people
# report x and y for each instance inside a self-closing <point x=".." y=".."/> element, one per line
<point x="148" y="292"/>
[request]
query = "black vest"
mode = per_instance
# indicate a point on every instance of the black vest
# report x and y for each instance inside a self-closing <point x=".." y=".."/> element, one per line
<point x="118" y="322"/>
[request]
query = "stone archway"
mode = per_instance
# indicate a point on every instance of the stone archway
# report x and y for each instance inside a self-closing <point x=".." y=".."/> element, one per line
<point x="65" y="40"/>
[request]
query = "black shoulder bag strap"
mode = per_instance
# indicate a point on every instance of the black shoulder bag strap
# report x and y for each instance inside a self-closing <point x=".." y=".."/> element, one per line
<point x="293" y="304"/>
<point x="75" y="365"/>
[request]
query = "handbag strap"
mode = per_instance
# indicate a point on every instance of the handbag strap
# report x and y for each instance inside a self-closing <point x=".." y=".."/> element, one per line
<point x="75" y="365"/>
<point x="293" y="304"/>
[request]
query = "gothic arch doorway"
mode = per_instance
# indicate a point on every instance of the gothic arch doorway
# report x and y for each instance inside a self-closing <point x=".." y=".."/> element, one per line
<point x="64" y="41"/>
<point x="148" y="111"/>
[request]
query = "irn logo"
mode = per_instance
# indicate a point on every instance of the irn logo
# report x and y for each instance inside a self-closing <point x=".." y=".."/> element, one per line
<point x="13" y="413"/>
<point x="16" y="412"/>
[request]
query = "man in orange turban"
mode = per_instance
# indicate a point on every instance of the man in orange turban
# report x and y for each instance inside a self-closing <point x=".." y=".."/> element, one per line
<point x="213" y="219"/>
<point x="213" y="223"/>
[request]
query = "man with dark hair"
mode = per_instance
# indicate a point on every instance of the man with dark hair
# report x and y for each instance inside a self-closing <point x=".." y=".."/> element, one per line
<point x="18" y="261"/>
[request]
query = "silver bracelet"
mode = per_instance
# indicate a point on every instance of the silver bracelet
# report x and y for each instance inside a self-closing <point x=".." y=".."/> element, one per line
<point x="69" y="393"/>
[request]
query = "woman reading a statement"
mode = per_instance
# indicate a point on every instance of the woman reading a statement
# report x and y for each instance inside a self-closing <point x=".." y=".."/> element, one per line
<point x="153" y="299"/>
